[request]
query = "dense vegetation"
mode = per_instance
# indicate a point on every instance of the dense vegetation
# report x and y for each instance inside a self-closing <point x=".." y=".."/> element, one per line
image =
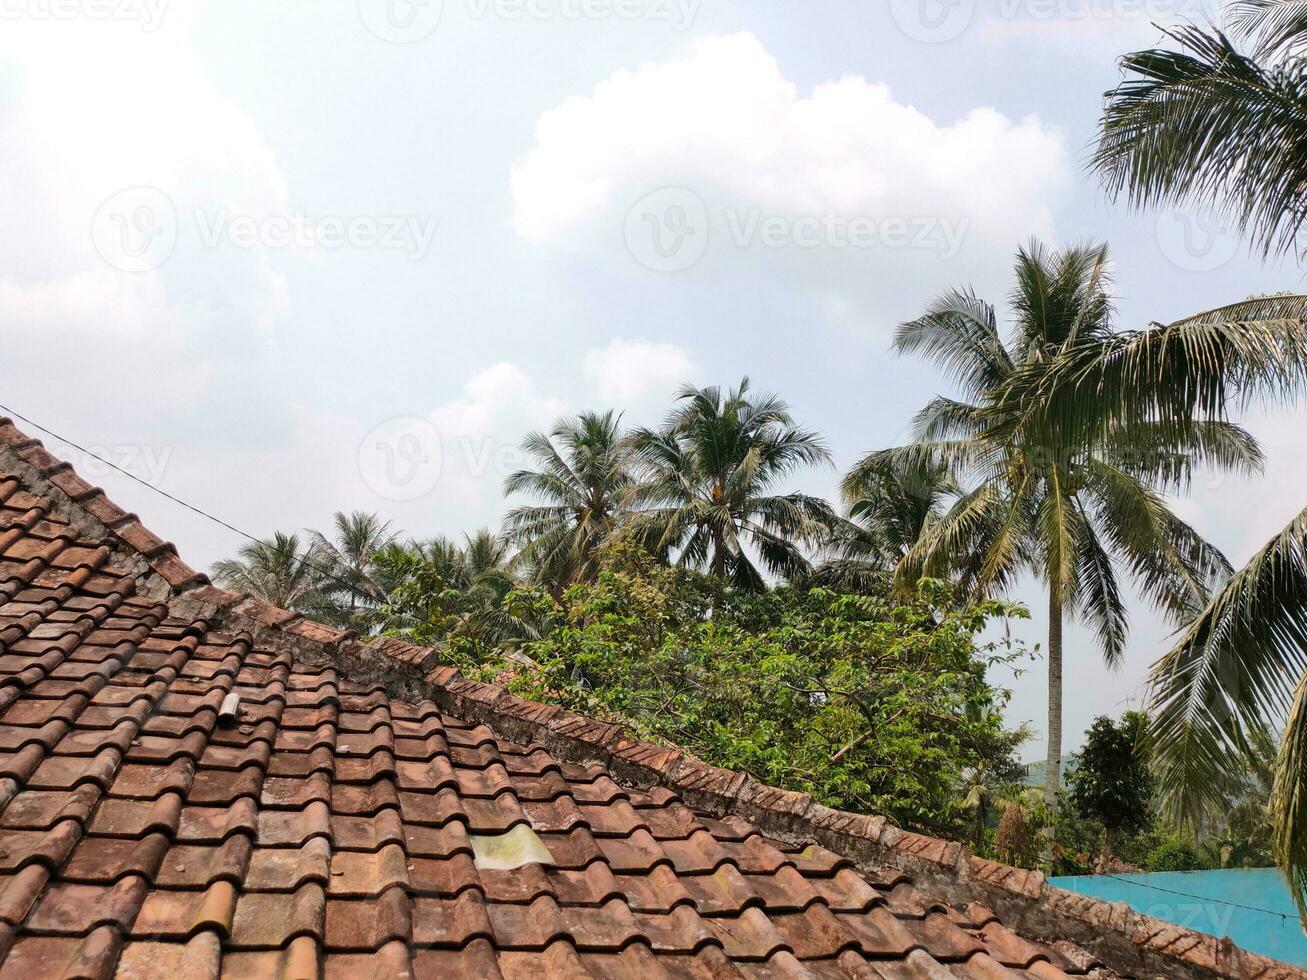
<point x="668" y="577"/>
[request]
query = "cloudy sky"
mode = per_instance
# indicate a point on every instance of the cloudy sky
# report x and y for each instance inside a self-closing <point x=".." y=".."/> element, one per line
<point x="287" y="259"/>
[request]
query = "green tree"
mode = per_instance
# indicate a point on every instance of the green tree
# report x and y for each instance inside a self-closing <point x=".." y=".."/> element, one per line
<point x="458" y="598"/>
<point x="868" y="703"/>
<point x="1176" y="854"/>
<point x="278" y="570"/>
<point x="710" y="476"/>
<point x="583" y="476"/>
<point x="995" y="779"/>
<point x="1071" y="501"/>
<point x="889" y="509"/>
<point x="1111" y="783"/>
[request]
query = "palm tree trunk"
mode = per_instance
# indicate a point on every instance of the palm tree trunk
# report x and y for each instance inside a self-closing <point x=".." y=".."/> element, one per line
<point x="718" y="573"/>
<point x="1053" y="758"/>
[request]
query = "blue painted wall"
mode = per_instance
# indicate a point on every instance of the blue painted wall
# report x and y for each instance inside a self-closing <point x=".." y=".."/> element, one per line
<point x="1251" y="906"/>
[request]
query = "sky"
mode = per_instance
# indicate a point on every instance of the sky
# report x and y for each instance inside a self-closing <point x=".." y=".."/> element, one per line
<point x="281" y="260"/>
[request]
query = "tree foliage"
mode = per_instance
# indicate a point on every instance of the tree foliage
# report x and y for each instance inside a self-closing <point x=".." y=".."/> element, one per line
<point x="868" y="703"/>
<point x="1111" y="783"/>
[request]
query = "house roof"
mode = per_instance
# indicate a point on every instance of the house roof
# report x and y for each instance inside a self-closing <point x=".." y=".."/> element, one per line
<point x="193" y="783"/>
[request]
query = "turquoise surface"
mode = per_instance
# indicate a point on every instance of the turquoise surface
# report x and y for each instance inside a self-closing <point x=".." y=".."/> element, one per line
<point x="1251" y="906"/>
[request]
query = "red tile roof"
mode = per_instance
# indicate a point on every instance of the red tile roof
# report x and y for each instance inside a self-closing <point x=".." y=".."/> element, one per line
<point x="368" y="812"/>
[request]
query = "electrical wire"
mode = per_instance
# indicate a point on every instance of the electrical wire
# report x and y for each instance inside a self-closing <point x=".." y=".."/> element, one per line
<point x="302" y="562"/>
<point x="1198" y="898"/>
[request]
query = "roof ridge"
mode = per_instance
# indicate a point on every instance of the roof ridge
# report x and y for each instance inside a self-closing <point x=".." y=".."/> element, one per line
<point x="1127" y="941"/>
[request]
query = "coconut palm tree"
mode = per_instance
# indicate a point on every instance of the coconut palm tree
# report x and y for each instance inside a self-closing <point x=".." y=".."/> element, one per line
<point x="1216" y="126"/>
<point x="1074" y="505"/>
<point x="1241" y="663"/>
<point x="710" y="476"/>
<point x="278" y="571"/>
<point x="1221" y="123"/>
<point x="583" y="477"/>
<point x="445" y="592"/>
<point x="347" y="564"/>
<point x="888" y="511"/>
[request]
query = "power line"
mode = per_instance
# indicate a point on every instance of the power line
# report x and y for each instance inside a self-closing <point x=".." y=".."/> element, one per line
<point x="302" y="562"/>
<point x="1199" y="898"/>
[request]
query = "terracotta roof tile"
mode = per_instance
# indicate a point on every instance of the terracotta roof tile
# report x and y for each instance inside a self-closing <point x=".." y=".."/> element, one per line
<point x="328" y="830"/>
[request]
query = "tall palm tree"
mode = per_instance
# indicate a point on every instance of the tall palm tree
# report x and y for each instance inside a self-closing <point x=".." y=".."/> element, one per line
<point x="277" y="570"/>
<point x="889" y="509"/>
<point x="1071" y="504"/>
<point x="1241" y="662"/>
<point x="710" y="476"/>
<point x="347" y="563"/>
<point x="1212" y="125"/>
<point x="1215" y="125"/>
<point x="583" y="477"/>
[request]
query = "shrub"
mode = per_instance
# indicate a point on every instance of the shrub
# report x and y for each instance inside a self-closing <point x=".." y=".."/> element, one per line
<point x="1176" y="854"/>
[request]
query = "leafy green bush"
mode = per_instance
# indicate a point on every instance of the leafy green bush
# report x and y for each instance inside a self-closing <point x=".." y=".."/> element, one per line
<point x="1177" y="854"/>
<point x="868" y="703"/>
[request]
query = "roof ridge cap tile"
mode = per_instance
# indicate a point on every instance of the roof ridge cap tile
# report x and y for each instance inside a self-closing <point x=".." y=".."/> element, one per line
<point x="154" y="563"/>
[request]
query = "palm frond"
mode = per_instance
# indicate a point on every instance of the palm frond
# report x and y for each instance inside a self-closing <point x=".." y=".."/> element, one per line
<point x="1236" y="664"/>
<point x="959" y="333"/>
<point x="1272" y="24"/>
<point x="1207" y="124"/>
<point x="1195" y="368"/>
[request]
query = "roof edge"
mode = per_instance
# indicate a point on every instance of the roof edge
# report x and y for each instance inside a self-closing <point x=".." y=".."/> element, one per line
<point x="1126" y="941"/>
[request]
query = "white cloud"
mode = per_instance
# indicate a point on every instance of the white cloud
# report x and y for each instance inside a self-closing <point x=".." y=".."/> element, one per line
<point x="722" y="116"/>
<point x="629" y="373"/>
<point x="100" y="106"/>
